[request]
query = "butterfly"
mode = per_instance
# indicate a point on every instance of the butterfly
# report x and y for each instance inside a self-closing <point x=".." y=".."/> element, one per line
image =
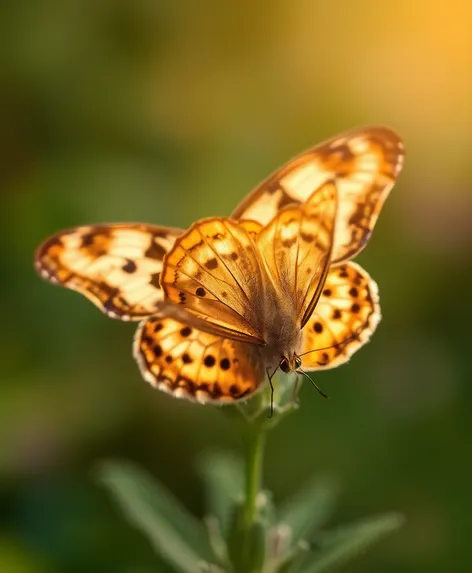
<point x="226" y="303"/>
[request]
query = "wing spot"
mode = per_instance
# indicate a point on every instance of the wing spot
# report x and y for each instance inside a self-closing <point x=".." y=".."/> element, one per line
<point x="354" y="292"/>
<point x="234" y="256"/>
<point x="129" y="267"/>
<point x="156" y="280"/>
<point x="217" y="391"/>
<point x="190" y="386"/>
<point x="327" y="292"/>
<point x="225" y="364"/>
<point x="289" y="242"/>
<point x="355" y="307"/>
<point x="159" y="326"/>
<point x="209" y="361"/>
<point x="186" y="331"/>
<point x="343" y="275"/>
<point x="307" y="237"/>
<point x="157" y="351"/>
<point x="87" y="240"/>
<point x="318" y="327"/>
<point x="324" y="359"/>
<point x="186" y="358"/>
<point x="211" y="264"/>
<point x="155" y="251"/>
<point x="146" y="340"/>
<point x="200" y="292"/>
<point x="234" y="391"/>
<point x="182" y="297"/>
<point x="336" y="314"/>
<point x="169" y="359"/>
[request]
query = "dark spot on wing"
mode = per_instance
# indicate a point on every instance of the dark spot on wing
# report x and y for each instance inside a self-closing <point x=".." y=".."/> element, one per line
<point x="307" y="237"/>
<point x="209" y="361"/>
<point x="155" y="251"/>
<point x="289" y="242"/>
<point x="211" y="264"/>
<point x="217" y="391"/>
<point x="186" y="358"/>
<point x="200" y="292"/>
<point x="225" y="364"/>
<point x="336" y="314"/>
<point x="156" y="280"/>
<point x="130" y="266"/>
<point x="186" y="331"/>
<point x="234" y="391"/>
<point x="318" y="327"/>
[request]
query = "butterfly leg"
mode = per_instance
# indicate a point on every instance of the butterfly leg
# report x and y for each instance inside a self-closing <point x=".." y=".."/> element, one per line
<point x="270" y="376"/>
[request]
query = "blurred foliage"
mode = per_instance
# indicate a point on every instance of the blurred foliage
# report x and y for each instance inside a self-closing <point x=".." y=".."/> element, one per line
<point x="164" y="112"/>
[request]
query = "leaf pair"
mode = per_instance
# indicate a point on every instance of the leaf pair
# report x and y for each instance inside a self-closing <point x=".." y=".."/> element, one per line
<point x="292" y="536"/>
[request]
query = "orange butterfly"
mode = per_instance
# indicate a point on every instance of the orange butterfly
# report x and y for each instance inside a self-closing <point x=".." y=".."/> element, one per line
<point x="232" y="299"/>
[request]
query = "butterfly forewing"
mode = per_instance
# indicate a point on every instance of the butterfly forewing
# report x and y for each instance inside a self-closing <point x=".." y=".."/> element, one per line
<point x="193" y="364"/>
<point x="116" y="266"/>
<point x="363" y="162"/>
<point x="214" y="273"/>
<point x="296" y="248"/>
<point x="345" y="317"/>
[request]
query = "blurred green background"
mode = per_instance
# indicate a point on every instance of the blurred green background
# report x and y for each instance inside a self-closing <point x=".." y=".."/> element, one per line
<point x="164" y="112"/>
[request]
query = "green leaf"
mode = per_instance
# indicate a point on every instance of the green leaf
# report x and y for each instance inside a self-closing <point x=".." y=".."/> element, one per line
<point x="176" y="535"/>
<point x="223" y="475"/>
<point x="345" y="543"/>
<point x="309" y="508"/>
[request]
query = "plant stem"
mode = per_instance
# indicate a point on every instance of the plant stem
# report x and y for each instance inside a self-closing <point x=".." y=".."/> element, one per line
<point x="255" y="451"/>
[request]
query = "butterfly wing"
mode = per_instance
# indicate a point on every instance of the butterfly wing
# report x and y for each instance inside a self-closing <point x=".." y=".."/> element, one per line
<point x="296" y="247"/>
<point x="345" y="317"/>
<point x="364" y="163"/>
<point x="214" y="272"/>
<point x="192" y="364"/>
<point x="116" y="266"/>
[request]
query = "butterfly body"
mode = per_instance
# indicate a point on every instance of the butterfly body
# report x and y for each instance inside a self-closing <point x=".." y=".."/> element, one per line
<point x="230" y="300"/>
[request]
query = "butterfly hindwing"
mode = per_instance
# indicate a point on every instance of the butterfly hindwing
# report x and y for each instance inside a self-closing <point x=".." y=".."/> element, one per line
<point x="192" y="364"/>
<point x="364" y="163"/>
<point x="345" y="317"/>
<point x="214" y="273"/>
<point x="296" y="248"/>
<point x="116" y="266"/>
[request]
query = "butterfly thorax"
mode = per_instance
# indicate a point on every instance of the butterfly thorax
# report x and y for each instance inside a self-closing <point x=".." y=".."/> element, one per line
<point x="282" y="334"/>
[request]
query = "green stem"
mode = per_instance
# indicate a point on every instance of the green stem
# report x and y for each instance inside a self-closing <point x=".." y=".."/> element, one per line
<point x="255" y="451"/>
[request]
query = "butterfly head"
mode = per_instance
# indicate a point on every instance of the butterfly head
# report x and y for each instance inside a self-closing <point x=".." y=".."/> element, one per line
<point x="290" y="363"/>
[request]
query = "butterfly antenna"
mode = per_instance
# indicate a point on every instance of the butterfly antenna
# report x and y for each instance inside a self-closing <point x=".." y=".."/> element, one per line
<point x="313" y="383"/>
